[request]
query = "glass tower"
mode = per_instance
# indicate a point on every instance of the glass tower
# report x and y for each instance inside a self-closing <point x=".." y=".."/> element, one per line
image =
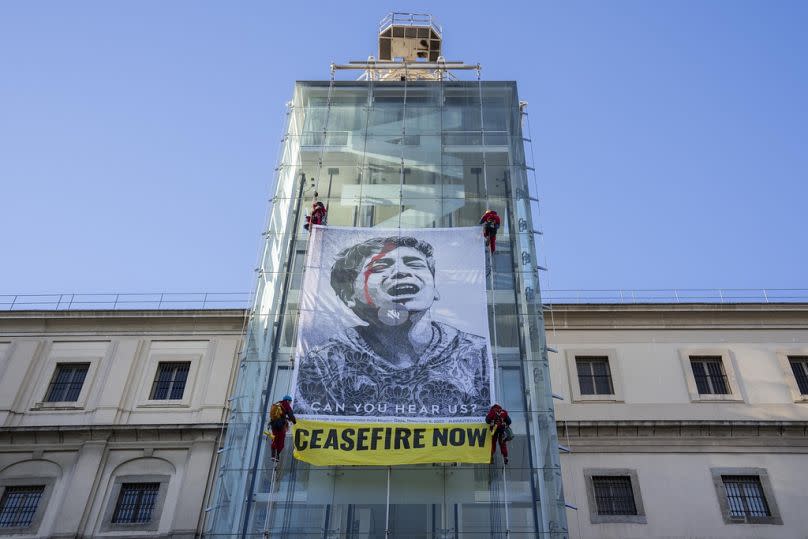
<point x="404" y="151"/>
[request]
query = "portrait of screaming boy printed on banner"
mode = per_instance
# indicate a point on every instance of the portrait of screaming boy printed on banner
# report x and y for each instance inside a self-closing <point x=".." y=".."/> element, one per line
<point x="393" y="329"/>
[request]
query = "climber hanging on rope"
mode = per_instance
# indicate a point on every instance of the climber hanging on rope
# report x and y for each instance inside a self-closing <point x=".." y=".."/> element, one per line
<point x="280" y="413"/>
<point x="499" y="422"/>
<point x="490" y="221"/>
<point x="318" y="214"/>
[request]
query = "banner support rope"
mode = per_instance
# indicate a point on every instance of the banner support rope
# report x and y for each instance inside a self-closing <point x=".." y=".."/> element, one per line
<point x="387" y="506"/>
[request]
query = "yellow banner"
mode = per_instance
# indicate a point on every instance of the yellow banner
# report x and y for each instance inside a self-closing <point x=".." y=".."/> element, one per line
<point x="327" y="443"/>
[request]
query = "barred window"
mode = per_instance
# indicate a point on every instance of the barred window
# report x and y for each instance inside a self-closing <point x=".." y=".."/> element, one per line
<point x="613" y="495"/>
<point x="709" y="374"/>
<point x="169" y="383"/>
<point x="799" y="366"/>
<point x="18" y="506"/>
<point x="67" y="381"/>
<point x="135" y="503"/>
<point x="594" y="375"/>
<point x="745" y="496"/>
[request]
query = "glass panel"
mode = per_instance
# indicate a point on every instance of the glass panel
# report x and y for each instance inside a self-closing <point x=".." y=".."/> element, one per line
<point x="716" y="374"/>
<point x="386" y="119"/>
<point x="135" y="503"/>
<point x="613" y="496"/>
<point x="735" y="498"/>
<point x="414" y="492"/>
<point x="745" y="496"/>
<point x="700" y="375"/>
<point x="506" y="326"/>
<point x="18" y="506"/>
<point x="755" y="501"/>
<point x="799" y="366"/>
<point x="461" y="111"/>
<point x="180" y="377"/>
<point x="585" y="378"/>
<point x="67" y="382"/>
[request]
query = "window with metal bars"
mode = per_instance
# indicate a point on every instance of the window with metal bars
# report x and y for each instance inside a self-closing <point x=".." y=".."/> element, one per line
<point x="745" y="496"/>
<point x="594" y="375"/>
<point x="169" y="382"/>
<point x="708" y="372"/>
<point x="135" y="503"/>
<point x="67" y="381"/>
<point x="18" y="506"/>
<point x="799" y="366"/>
<point x="614" y="495"/>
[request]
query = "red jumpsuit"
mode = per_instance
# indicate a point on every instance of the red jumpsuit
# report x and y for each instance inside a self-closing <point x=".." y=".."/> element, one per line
<point x="490" y="221"/>
<point x="318" y="213"/>
<point x="498" y="418"/>
<point x="317" y="217"/>
<point x="279" y="428"/>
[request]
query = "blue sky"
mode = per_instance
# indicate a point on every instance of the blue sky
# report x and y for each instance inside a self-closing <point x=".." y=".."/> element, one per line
<point x="138" y="138"/>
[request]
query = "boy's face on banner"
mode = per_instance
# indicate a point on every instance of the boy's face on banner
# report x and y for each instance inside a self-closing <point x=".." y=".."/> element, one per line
<point x="397" y="277"/>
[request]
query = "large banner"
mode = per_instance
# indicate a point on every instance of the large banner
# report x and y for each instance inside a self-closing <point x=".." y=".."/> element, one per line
<point x="393" y="361"/>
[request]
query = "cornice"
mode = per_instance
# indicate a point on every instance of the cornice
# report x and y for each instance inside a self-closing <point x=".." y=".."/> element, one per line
<point x="692" y="316"/>
<point x="99" y="322"/>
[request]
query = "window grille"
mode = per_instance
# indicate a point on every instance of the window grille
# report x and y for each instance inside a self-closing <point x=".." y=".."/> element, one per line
<point x="18" y="506"/>
<point x="135" y="503"/>
<point x="709" y="374"/>
<point x="614" y="496"/>
<point x="169" y="383"/>
<point x="745" y="496"/>
<point x="799" y="365"/>
<point x="67" y="381"/>
<point x="594" y="375"/>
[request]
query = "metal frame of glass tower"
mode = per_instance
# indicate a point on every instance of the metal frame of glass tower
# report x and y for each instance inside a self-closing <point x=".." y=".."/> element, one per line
<point x="397" y="153"/>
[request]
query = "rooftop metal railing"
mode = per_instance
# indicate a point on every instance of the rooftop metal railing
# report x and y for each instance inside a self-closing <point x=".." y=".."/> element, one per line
<point x="409" y="19"/>
<point x="126" y="301"/>
<point x="243" y="300"/>
<point x="672" y="295"/>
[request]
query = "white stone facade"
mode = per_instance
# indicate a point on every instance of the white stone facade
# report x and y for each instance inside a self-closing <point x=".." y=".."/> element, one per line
<point x="111" y="432"/>
<point x="655" y="429"/>
<point x="677" y="442"/>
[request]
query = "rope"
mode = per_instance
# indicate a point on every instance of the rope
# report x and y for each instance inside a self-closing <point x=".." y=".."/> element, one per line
<point x="363" y="165"/>
<point x="325" y="131"/>
<point x="490" y="256"/>
<point x="269" y="497"/>
<point x="401" y="151"/>
<point x="290" y="496"/>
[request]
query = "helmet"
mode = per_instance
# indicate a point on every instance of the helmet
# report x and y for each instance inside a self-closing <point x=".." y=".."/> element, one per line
<point x="286" y="398"/>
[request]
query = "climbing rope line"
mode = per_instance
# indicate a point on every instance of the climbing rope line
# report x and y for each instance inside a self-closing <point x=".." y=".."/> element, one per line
<point x="270" y="494"/>
<point x="490" y="257"/>
<point x="324" y="140"/>
<point x="364" y="171"/>
<point x="401" y="169"/>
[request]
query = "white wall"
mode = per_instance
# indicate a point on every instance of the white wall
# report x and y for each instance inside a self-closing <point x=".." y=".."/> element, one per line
<point x="654" y="381"/>
<point x="679" y="496"/>
<point x="113" y="430"/>
<point x="656" y="425"/>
